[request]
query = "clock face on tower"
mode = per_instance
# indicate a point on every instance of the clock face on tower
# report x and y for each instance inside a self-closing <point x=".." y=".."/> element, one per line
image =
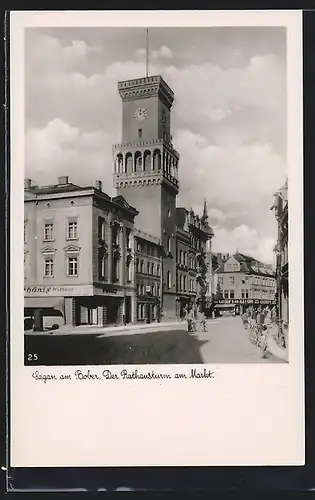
<point x="140" y="114"/>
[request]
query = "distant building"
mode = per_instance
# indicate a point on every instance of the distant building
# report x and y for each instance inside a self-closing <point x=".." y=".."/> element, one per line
<point x="78" y="255"/>
<point x="244" y="281"/>
<point x="192" y="236"/>
<point x="280" y="207"/>
<point x="148" y="253"/>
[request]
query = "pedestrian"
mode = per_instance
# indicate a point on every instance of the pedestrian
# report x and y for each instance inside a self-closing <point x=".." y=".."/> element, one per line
<point x="201" y="320"/>
<point x="189" y="318"/>
<point x="266" y="333"/>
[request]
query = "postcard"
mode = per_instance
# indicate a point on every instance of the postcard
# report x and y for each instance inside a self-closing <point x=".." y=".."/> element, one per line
<point x="156" y="238"/>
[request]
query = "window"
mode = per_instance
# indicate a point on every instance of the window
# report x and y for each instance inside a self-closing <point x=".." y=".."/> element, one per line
<point x="232" y="280"/>
<point x="101" y="229"/>
<point x="49" y="231"/>
<point x="158" y="270"/>
<point x="168" y="213"/>
<point x="220" y="280"/>
<point x="226" y="294"/>
<point x="101" y="266"/>
<point x="169" y="245"/>
<point x="72" y="266"/>
<point x="137" y="265"/>
<point x="169" y="279"/>
<point x="141" y="266"/>
<point x="231" y="294"/>
<point x="72" y="230"/>
<point x="185" y="283"/>
<point x="243" y="294"/>
<point x="49" y="268"/>
<point x="138" y="247"/>
<point x="158" y="290"/>
<point x="140" y="133"/>
<point x="180" y="283"/>
<point x="148" y="268"/>
<point x="246" y="294"/>
<point x="153" y="289"/>
<point x="152" y="268"/>
<point x="181" y="257"/>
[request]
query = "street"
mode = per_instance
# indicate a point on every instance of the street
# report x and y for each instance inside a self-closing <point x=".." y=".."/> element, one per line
<point x="225" y="341"/>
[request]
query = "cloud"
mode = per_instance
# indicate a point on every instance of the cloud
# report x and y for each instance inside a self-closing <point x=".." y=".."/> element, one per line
<point x="60" y="149"/>
<point x="245" y="240"/>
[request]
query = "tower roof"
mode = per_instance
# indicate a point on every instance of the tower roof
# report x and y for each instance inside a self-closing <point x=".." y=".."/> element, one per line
<point x="205" y="211"/>
<point x="149" y="86"/>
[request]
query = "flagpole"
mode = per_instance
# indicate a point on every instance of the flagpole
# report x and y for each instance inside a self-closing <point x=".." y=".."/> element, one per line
<point x="147" y="54"/>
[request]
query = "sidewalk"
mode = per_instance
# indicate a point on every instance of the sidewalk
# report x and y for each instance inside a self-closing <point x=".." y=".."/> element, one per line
<point x="109" y="331"/>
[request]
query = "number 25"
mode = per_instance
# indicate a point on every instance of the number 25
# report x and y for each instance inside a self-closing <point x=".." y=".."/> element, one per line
<point x="32" y="357"/>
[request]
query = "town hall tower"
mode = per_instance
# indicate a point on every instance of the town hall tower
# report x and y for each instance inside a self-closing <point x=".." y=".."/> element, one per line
<point x="146" y="167"/>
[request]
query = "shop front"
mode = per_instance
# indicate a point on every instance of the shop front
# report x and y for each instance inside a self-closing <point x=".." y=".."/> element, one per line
<point x="42" y="313"/>
<point x="148" y="309"/>
<point x="79" y="305"/>
<point x="239" y="306"/>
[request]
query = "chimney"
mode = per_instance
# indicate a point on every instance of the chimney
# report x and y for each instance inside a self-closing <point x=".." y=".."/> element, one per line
<point x="64" y="179"/>
<point x="27" y="183"/>
<point x="98" y="185"/>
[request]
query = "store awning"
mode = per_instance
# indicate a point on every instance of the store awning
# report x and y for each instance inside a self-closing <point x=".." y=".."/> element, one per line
<point x="44" y="303"/>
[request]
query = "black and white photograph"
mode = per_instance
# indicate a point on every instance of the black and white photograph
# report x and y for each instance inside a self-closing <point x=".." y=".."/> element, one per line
<point x="157" y="168"/>
<point x="156" y="196"/>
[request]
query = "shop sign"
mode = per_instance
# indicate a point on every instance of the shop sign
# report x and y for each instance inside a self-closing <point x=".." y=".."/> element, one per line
<point x="247" y="301"/>
<point x="108" y="290"/>
<point x="57" y="291"/>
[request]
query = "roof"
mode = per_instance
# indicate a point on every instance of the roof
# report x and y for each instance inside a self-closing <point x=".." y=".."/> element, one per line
<point x="74" y="188"/>
<point x="246" y="266"/>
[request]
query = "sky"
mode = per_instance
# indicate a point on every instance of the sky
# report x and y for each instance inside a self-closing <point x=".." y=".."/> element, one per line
<point x="228" y="117"/>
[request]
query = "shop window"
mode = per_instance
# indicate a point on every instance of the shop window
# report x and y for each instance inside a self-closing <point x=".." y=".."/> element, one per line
<point x="49" y="268"/>
<point x="72" y="266"/>
<point x="48" y="231"/>
<point x="72" y="233"/>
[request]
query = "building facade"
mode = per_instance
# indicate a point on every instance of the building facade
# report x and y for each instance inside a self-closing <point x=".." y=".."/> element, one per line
<point x="79" y="256"/>
<point x="280" y="207"/>
<point x="244" y="281"/>
<point x="192" y="236"/>
<point x="149" y="262"/>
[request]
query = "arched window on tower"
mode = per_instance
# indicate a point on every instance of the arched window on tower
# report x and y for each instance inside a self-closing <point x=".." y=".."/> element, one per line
<point x="128" y="163"/>
<point x="119" y="164"/>
<point x="147" y="161"/>
<point x="138" y="161"/>
<point x="157" y="160"/>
